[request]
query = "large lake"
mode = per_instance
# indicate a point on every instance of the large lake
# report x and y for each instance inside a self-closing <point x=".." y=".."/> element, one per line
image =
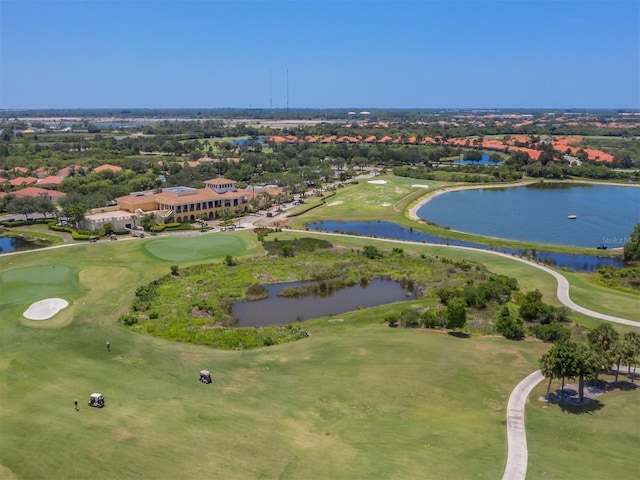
<point x="606" y="214"/>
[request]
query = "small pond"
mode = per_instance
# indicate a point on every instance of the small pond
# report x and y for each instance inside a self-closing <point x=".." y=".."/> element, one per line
<point x="275" y="310"/>
<point x="584" y="263"/>
<point x="17" y="244"/>
<point x="483" y="161"/>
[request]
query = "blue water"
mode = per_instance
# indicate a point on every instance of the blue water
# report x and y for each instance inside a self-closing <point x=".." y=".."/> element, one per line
<point x="11" y="244"/>
<point x="243" y="141"/>
<point x="585" y="263"/>
<point x="606" y="214"/>
<point x="484" y="161"/>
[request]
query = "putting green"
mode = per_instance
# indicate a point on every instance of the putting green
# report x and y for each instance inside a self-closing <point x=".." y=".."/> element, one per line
<point x="29" y="284"/>
<point x="204" y="247"/>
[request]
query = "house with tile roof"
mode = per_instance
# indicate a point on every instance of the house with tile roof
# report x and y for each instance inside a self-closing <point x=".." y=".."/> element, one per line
<point x="51" y="181"/>
<point x="68" y="171"/>
<point x="107" y="166"/>
<point x="20" y="181"/>
<point x="37" y="192"/>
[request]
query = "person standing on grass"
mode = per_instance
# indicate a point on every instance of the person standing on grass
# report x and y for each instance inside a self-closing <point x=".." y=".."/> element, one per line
<point x="75" y="404"/>
<point x="108" y="346"/>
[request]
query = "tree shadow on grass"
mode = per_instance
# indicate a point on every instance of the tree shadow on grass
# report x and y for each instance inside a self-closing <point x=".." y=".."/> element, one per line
<point x="459" y="334"/>
<point x="589" y="406"/>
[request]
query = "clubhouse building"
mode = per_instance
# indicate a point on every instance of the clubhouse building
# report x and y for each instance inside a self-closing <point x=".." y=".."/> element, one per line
<point x="180" y="204"/>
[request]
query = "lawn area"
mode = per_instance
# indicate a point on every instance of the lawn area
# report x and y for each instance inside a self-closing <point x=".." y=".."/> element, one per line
<point x="564" y="443"/>
<point x="372" y="201"/>
<point x="355" y="400"/>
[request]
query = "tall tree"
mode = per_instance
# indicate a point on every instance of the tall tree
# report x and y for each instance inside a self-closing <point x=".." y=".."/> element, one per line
<point x="602" y="340"/>
<point x="75" y="212"/>
<point x="632" y="247"/>
<point x="23" y="206"/>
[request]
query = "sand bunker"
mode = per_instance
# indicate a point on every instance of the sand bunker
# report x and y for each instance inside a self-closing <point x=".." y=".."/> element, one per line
<point x="337" y="202"/>
<point x="377" y="182"/>
<point x="45" y="309"/>
<point x="420" y="186"/>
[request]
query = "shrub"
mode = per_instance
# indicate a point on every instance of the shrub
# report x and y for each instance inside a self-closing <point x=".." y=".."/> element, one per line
<point x="509" y="325"/>
<point x="551" y="332"/>
<point x="128" y="320"/>
<point x="230" y="261"/>
<point x="434" y="318"/>
<point x="80" y="236"/>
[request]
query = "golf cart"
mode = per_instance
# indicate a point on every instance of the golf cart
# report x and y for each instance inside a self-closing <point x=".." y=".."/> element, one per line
<point x="96" y="400"/>
<point x="205" y="376"/>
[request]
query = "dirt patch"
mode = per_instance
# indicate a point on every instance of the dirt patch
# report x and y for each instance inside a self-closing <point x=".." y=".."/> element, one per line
<point x="200" y="313"/>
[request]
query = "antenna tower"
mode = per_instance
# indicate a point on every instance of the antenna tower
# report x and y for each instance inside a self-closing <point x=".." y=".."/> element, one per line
<point x="287" y="89"/>
<point x="270" y="96"/>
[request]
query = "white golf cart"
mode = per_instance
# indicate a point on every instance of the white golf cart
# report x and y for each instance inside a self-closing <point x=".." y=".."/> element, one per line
<point x="96" y="400"/>
<point x="205" y="376"/>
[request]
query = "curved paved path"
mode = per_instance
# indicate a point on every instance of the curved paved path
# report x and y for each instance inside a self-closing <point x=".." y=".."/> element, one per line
<point x="562" y="291"/>
<point x="517" y="455"/>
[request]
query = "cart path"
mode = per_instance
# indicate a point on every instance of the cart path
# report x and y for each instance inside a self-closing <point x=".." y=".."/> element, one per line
<point x="562" y="291"/>
<point x="517" y="456"/>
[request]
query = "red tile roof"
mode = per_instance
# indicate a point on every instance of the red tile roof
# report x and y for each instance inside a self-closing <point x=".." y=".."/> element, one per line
<point x="18" y="181"/>
<point x="52" y="180"/>
<point x="38" y="192"/>
<point x="107" y="166"/>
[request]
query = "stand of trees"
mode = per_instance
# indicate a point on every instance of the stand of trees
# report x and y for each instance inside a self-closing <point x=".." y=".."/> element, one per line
<point x="605" y="349"/>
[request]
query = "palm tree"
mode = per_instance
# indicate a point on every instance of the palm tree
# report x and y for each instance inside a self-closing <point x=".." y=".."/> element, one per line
<point x="632" y="340"/>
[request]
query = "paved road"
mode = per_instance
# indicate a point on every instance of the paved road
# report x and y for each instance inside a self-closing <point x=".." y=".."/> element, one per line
<point x="516" y="468"/>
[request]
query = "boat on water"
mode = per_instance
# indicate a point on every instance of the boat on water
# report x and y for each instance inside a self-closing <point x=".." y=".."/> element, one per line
<point x="572" y="217"/>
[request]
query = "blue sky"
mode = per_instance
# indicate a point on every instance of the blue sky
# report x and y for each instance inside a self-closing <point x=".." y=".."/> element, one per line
<point x="349" y="53"/>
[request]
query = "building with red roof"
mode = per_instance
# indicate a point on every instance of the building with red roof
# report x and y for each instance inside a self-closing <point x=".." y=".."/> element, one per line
<point x="20" y="181"/>
<point x="37" y="192"/>
<point x="51" y="181"/>
<point x="107" y="166"/>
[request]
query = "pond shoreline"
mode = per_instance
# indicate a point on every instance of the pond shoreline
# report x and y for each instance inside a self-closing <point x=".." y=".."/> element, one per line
<point x="412" y="212"/>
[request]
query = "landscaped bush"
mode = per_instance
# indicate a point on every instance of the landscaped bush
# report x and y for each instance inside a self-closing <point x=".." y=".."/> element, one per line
<point x="80" y="236"/>
<point x="178" y="226"/>
<point x="58" y="228"/>
<point x="17" y="223"/>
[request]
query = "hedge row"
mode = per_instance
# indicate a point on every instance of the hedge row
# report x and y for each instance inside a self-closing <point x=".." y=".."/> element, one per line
<point x="23" y="223"/>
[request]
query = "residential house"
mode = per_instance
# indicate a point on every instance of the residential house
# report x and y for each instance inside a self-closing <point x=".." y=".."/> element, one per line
<point x="37" y="192"/>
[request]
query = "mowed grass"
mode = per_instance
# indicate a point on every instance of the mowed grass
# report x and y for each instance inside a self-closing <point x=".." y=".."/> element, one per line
<point x="569" y="443"/>
<point x="196" y="248"/>
<point x="355" y="400"/>
<point x="371" y="201"/>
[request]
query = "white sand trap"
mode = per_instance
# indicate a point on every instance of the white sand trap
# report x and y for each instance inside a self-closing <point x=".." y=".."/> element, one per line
<point x="45" y="309"/>
<point x="385" y="204"/>
<point x="377" y="182"/>
<point x="420" y="186"/>
<point x="337" y="202"/>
